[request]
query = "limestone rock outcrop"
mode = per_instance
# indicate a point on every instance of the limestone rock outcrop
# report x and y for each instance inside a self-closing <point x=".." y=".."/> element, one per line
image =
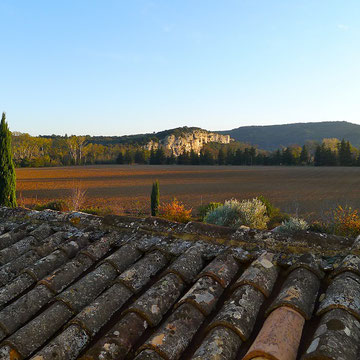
<point x="187" y="141"/>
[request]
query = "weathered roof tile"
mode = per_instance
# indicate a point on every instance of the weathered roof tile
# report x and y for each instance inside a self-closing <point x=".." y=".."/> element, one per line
<point x="203" y="295"/>
<point x="158" y="299"/>
<point x="189" y="264"/>
<point x="119" y="341"/>
<point x="337" y="337"/>
<point x="23" y="309"/>
<point x="88" y="288"/>
<point x="34" y="334"/>
<point x="140" y="273"/>
<point x="343" y="293"/>
<point x="222" y="269"/>
<point x="176" y="333"/>
<point x="221" y="343"/>
<point x="240" y="311"/>
<point x="262" y="274"/>
<point x="299" y="292"/>
<point x="66" y="346"/>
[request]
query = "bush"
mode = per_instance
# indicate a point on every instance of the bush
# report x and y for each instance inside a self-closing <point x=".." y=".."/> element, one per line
<point x="321" y="227"/>
<point x="346" y="221"/>
<point x="203" y="210"/>
<point x="293" y="225"/>
<point x="276" y="217"/>
<point x="58" y="205"/>
<point x="234" y="213"/>
<point x="97" y="211"/>
<point x="175" y="211"/>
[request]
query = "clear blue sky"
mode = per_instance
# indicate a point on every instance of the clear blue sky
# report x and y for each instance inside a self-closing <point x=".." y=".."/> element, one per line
<point x="133" y="66"/>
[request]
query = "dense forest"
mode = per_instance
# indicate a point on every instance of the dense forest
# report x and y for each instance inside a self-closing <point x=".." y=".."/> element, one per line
<point x="84" y="150"/>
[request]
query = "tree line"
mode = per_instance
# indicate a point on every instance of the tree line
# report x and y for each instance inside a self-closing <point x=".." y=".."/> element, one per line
<point x="29" y="151"/>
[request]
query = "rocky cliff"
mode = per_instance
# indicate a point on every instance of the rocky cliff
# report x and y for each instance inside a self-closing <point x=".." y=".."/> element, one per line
<point x="187" y="141"/>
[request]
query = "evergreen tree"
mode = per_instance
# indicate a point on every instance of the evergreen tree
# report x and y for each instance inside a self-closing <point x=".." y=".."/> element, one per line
<point x="184" y="158"/>
<point x="155" y="198"/>
<point x="318" y="156"/>
<point x="128" y="158"/>
<point x="206" y="158"/>
<point x="238" y="158"/>
<point x="120" y="158"/>
<point x="152" y="159"/>
<point x="287" y="157"/>
<point x="221" y="157"/>
<point x="277" y="158"/>
<point x="7" y="169"/>
<point x="229" y="160"/>
<point x="140" y="156"/>
<point x="160" y="157"/>
<point x="304" y="156"/>
<point x="170" y="160"/>
<point x="194" y="158"/>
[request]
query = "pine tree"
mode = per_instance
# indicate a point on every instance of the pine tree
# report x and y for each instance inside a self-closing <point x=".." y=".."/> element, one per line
<point x="7" y="169"/>
<point x="160" y="157"/>
<point x="345" y="157"/>
<point x="155" y="199"/>
<point x="120" y="158"/>
<point x="304" y="156"/>
<point x="318" y="161"/>
<point x="128" y="157"/>
<point x="221" y="157"/>
<point x="194" y="158"/>
<point x="170" y="160"/>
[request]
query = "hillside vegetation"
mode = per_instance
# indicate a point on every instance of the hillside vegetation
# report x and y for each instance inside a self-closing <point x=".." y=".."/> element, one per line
<point x="276" y="136"/>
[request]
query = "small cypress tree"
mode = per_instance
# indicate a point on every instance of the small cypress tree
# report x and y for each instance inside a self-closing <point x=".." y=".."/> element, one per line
<point x="7" y="169"/>
<point x="155" y="199"/>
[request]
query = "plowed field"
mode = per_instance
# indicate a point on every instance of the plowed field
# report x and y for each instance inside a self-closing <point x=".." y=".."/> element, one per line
<point x="306" y="190"/>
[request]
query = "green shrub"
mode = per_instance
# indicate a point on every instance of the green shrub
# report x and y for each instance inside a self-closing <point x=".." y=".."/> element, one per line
<point x="203" y="210"/>
<point x="271" y="210"/>
<point x="97" y="211"/>
<point x="234" y="213"/>
<point x="58" y="205"/>
<point x="321" y="227"/>
<point x="276" y="217"/>
<point x="277" y="220"/>
<point x="293" y="225"/>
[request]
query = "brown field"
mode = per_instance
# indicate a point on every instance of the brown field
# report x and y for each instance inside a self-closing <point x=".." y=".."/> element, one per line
<point x="306" y="190"/>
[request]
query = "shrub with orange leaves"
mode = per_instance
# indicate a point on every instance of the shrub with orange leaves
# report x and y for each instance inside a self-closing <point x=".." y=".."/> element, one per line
<point x="346" y="221"/>
<point x="175" y="211"/>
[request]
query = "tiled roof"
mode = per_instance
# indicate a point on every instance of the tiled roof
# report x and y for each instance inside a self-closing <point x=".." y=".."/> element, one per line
<point x="77" y="286"/>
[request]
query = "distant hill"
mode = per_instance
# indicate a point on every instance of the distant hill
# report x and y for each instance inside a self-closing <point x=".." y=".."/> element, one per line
<point x="274" y="136"/>
<point x="142" y="139"/>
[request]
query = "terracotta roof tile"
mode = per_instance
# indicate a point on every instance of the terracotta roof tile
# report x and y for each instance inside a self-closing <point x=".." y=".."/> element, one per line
<point x="78" y="286"/>
<point x="262" y="274"/>
<point x="337" y="337"/>
<point x="222" y="269"/>
<point x="299" y="292"/>
<point x="279" y="337"/>
<point x="176" y="333"/>
<point x="343" y="293"/>
<point x="221" y="343"/>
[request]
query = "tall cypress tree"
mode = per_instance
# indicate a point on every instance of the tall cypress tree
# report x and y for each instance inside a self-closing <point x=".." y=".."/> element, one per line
<point x="155" y="199"/>
<point x="7" y="169"/>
